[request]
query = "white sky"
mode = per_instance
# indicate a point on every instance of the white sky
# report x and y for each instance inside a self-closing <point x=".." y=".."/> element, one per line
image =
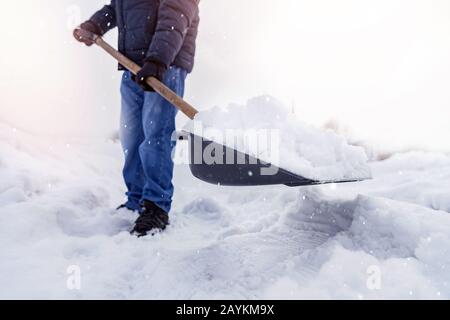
<point x="382" y="67"/>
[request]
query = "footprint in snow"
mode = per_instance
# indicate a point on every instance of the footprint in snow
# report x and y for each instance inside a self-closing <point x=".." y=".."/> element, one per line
<point x="75" y="222"/>
<point x="204" y="208"/>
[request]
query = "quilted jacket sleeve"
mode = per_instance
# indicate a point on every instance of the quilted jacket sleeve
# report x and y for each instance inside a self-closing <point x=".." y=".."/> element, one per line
<point x="174" y="19"/>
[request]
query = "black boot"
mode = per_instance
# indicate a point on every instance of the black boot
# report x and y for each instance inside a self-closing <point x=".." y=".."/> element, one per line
<point x="122" y="206"/>
<point x="125" y="206"/>
<point x="151" y="220"/>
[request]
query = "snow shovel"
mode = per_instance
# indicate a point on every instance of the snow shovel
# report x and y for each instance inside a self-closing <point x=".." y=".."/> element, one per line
<point x="244" y="171"/>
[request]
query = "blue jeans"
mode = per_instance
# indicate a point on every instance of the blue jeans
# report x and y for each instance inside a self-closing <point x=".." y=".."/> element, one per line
<point x="147" y="126"/>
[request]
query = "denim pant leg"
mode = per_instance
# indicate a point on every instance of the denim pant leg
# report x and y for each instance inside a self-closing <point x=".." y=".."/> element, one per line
<point x="158" y="118"/>
<point x="132" y="136"/>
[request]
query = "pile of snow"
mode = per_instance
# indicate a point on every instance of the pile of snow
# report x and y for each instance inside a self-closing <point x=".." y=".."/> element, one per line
<point x="416" y="177"/>
<point x="265" y="129"/>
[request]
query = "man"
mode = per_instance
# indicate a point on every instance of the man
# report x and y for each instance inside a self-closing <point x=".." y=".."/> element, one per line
<point x="160" y="36"/>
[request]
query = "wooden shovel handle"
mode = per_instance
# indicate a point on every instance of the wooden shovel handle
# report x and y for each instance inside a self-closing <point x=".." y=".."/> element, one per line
<point x="157" y="85"/>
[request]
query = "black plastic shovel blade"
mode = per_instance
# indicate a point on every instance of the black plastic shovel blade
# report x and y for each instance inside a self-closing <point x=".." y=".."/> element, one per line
<point x="217" y="164"/>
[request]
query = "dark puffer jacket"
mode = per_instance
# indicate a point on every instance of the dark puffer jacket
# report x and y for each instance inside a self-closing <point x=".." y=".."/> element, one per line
<point x="153" y="30"/>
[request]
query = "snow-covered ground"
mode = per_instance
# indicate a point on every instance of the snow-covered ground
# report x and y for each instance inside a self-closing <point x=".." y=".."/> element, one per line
<point x="384" y="238"/>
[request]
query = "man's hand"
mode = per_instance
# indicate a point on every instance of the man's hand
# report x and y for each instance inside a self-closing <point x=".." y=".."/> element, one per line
<point x="150" y="69"/>
<point x="88" y="26"/>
